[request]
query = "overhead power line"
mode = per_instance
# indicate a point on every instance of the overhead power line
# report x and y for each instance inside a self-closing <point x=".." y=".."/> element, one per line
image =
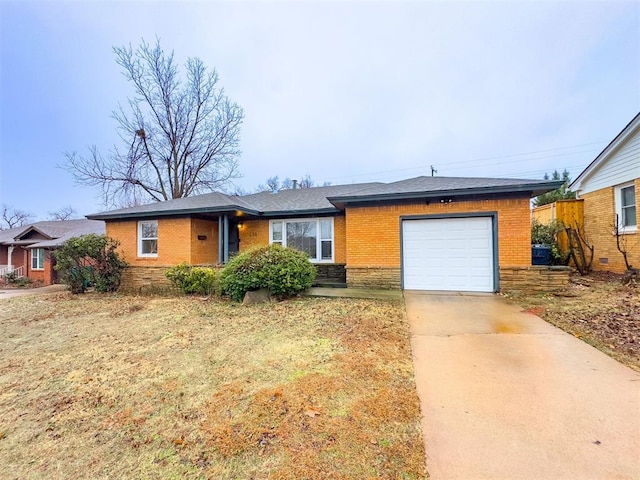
<point x="478" y="161"/>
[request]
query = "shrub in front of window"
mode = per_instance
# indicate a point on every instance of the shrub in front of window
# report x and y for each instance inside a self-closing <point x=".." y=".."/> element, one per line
<point x="283" y="271"/>
<point x="90" y="260"/>
<point x="194" y="280"/>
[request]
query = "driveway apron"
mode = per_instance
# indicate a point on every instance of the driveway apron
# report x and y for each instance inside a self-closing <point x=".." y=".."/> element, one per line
<point x="505" y="395"/>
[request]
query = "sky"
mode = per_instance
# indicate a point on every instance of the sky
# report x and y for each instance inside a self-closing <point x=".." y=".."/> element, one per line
<point x="345" y="92"/>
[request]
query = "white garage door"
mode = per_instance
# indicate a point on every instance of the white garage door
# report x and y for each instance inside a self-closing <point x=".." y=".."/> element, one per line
<point x="448" y="254"/>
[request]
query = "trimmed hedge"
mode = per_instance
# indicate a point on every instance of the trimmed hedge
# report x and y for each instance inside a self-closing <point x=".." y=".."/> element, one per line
<point x="283" y="271"/>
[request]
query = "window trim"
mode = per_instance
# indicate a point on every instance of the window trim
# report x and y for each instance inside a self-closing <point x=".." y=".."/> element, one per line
<point x="618" y="207"/>
<point x="35" y="256"/>
<point x="140" y="239"/>
<point x="319" y="238"/>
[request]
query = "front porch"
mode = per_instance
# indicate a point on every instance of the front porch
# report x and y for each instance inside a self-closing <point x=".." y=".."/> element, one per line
<point x="11" y="271"/>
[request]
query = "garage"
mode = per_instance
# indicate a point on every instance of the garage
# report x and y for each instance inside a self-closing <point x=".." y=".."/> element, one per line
<point x="449" y="254"/>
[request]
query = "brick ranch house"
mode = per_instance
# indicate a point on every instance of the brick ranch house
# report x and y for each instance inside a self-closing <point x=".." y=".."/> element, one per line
<point x="609" y="186"/>
<point x="424" y="233"/>
<point x="26" y="250"/>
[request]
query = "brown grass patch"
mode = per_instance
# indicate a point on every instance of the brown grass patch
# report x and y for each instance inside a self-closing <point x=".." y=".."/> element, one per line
<point x="125" y="387"/>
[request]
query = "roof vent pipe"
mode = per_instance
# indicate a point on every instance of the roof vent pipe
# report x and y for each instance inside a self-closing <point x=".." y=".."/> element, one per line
<point x="295" y="184"/>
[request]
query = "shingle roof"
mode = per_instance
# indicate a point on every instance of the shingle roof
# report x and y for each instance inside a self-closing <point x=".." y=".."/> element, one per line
<point x="425" y="186"/>
<point x="10" y="233"/>
<point x="330" y="199"/>
<point x="302" y="199"/>
<point x="57" y="231"/>
<point x="209" y="202"/>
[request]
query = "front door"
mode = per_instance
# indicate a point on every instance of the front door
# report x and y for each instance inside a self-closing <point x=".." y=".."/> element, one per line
<point x="234" y="238"/>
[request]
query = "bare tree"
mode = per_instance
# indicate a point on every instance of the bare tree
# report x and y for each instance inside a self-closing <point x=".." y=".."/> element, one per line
<point x="580" y="250"/>
<point x="274" y="185"/>
<point x="65" y="213"/>
<point x="622" y="243"/>
<point x="12" y="217"/>
<point x="179" y="136"/>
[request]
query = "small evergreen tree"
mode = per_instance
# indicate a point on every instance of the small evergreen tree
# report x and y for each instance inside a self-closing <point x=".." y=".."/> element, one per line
<point x="560" y="193"/>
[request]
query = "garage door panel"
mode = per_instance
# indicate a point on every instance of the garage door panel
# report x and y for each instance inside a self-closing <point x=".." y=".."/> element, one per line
<point x="453" y="254"/>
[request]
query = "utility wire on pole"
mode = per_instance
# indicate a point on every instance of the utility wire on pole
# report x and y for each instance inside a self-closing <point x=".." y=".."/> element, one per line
<point x="433" y="170"/>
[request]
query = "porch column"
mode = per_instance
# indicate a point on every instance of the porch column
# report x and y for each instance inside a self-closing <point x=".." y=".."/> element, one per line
<point x="226" y="239"/>
<point x="9" y="254"/>
<point x="220" y="241"/>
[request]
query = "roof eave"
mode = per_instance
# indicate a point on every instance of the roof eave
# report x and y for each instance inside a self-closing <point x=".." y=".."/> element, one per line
<point x="309" y="211"/>
<point x="533" y="190"/>
<point x="605" y="153"/>
<point x="169" y="213"/>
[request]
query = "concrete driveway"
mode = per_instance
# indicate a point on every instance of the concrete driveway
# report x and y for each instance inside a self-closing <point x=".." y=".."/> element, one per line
<point x="19" y="292"/>
<point x="505" y="395"/>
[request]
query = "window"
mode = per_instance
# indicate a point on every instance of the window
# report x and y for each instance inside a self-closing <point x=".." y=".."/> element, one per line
<point x="314" y="236"/>
<point x="148" y="238"/>
<point x="37" y="259"/>
<point x="626" y="208"/>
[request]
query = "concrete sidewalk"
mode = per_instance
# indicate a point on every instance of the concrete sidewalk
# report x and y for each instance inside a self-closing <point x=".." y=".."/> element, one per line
<point x="19" y="292"/>
<point x="505" y="395"/>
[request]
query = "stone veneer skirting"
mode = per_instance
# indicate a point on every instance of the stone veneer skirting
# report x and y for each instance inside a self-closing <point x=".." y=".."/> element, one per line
<point x="387" y="278"/>
<point x="519" y="278"/>
<point x="331" y="271"/>
<point x="144" y="279"/>
<point x="537" y="278"/>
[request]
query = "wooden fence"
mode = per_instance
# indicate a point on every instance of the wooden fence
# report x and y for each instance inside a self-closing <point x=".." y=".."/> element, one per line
<point x="569" y="212"/>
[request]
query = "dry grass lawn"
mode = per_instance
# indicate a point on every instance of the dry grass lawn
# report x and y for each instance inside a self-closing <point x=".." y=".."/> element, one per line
<point x="138" y="387"/>
<point x="598" y="309"/>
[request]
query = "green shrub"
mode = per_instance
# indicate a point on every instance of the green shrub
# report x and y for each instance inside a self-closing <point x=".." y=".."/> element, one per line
<point x="90" y="260"/>
<point x="547" y="234"/>
<point x="284" y="271"/>
<point x="194" y="280"/>
<point x="22" y="282"/>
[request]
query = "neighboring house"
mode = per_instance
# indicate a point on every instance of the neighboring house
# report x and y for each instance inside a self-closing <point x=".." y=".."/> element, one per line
<point x="26" y="251"/>
<point x="424" y="233"/>
<point x="608" y="188"/>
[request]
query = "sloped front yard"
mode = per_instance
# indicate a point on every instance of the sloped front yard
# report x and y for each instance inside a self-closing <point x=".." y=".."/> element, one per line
<point x="127" y="387"/>
<point x="597" y="309"/>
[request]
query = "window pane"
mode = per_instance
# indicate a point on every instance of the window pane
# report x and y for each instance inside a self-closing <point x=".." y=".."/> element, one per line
<point x="629" y="216"/>
<point x="37" y="258"/>
<point x="276" y="232"/>
<point x="326" y="250"/>
<point x="628" y="196"/>
<point x="149" y="246"/>
<point x="325" y="229"/>
<point x="149" y="230"/>
<point x="302" y="236"/>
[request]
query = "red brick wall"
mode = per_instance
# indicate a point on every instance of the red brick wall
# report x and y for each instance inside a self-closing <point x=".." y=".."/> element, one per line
<point x="373" y="233"/>
<point x="45" y="276"/>
<point x="174" y="241"/>
<point x="204" y="252"/>
<point x="255" y="233"/>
